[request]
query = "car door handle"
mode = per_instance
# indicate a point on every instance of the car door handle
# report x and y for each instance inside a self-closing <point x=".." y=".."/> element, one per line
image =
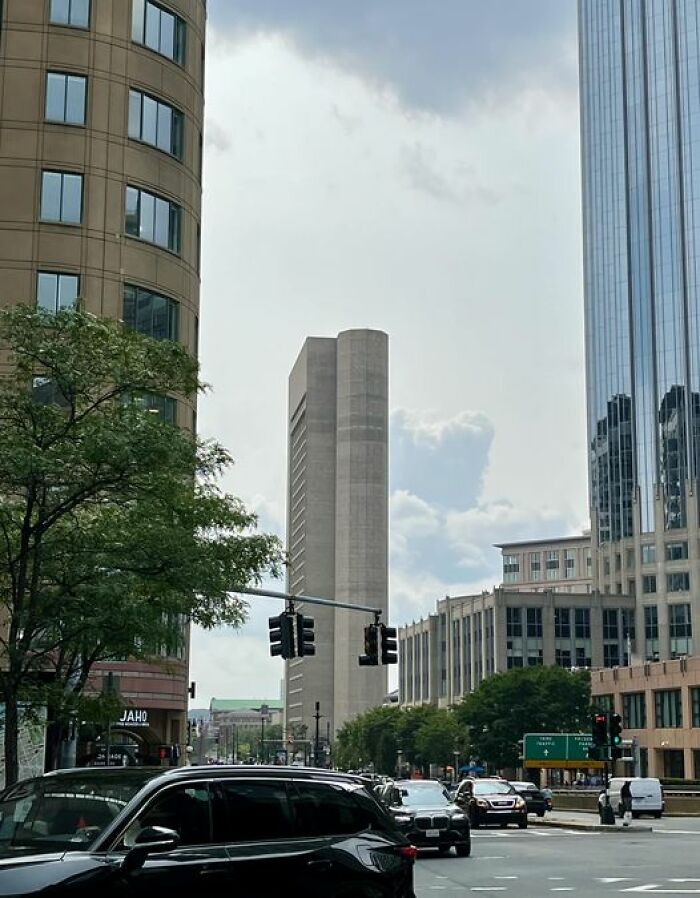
<point x="321" y="866"/>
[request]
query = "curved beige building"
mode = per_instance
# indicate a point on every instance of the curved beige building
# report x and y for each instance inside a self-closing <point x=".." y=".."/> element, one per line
<point x="101" y="112"/>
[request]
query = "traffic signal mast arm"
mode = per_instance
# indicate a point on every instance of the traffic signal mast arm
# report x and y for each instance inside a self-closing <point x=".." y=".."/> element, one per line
<point x="292" y="634"/>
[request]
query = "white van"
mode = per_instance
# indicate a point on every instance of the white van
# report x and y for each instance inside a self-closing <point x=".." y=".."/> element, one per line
<point x="647" y="795"/>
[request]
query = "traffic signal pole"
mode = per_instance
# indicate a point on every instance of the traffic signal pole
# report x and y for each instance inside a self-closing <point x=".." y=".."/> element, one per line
<point x="311" y="600"/>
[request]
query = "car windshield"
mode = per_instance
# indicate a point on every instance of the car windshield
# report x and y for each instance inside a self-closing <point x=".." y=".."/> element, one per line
<point x="426" y="795"/>
<point x="65" y="811"/>
<point x="525" y="787"/>
<point x="493" y="788"/>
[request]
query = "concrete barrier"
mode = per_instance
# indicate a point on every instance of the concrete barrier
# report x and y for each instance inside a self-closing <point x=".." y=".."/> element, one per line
<point x="678" y="804"/>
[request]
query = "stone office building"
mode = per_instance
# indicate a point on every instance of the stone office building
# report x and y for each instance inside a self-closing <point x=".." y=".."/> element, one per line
<point x="448" y="654"/>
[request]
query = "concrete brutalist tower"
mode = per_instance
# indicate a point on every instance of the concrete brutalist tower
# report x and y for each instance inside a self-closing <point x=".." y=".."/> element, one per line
<point x="337" y="521"/>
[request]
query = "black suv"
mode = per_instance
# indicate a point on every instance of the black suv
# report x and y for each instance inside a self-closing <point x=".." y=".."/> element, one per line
<point x="246" y="831"/>
<point x="424" y="811"/>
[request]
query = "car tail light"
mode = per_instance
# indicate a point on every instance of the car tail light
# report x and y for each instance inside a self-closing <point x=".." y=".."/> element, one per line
<point x="409" y="851"/>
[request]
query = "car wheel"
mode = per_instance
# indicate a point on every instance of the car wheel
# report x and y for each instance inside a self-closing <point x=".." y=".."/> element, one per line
<point x="464" y="850"/>
<point x="635" y="815"/>
<point x="657" y="814"/>
<point x="474" y="822"/>
<point x="444" y="850"/>
<point x="540" y="813"/>
<point x="522" y="824"/>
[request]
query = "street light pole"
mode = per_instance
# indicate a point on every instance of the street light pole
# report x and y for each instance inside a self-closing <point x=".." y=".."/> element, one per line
<point x="317" y="718"/>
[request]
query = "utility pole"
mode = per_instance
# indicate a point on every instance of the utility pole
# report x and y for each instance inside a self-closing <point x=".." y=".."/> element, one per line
<point x="317" y="718"/>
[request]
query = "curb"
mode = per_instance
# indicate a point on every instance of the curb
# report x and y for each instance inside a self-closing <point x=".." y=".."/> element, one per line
<point x="593" y="827"/>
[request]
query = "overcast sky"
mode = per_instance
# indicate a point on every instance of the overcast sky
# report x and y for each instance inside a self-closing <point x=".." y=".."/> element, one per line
<point x="413" y="166"/>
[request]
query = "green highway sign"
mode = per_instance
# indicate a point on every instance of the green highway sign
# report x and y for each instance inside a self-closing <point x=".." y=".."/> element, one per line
<point x="557" y="750"/>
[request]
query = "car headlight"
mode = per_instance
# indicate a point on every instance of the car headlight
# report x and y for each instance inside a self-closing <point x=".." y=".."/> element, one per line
<point x="402" y="819"/>
<point x="520" y="802"/>
<point x="459" y="817"/>
<point x="482" y="803"/>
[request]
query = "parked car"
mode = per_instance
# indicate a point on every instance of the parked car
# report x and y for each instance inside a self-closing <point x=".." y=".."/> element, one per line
<point x="647" y="795"/>
<point x="424" y="812"/>
<point x="534" y="799"/>
<point x="245" y="830"/>
<point x="489" y="801"/>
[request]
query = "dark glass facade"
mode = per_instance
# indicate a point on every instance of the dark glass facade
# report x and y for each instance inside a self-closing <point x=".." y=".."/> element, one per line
<point x="640" y="132"/>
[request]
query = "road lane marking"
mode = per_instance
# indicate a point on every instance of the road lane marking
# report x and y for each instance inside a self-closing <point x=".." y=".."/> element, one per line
<point x="505" y="877"/>
<point x="654" y="889"/>
<point x="609" y="879"/>
<point x="489" y="889"/>
<point x="677" y="832"/>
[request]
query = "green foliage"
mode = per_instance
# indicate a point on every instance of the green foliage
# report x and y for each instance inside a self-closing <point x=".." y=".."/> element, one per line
<point x="525" y="700"/>
<point x="424" y="735"/>
<point x="114" y="532"/>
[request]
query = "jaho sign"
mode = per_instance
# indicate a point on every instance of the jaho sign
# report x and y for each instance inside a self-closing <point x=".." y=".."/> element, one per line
<point x="133" y="717"/>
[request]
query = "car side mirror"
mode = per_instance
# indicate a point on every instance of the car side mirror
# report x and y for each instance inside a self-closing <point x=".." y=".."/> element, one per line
<point x="151" y="840"/>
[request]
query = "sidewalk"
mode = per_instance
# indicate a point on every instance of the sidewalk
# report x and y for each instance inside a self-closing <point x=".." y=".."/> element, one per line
<point x="587" y="823"/>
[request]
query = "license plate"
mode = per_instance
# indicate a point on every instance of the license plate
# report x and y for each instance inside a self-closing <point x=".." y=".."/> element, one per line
<point x="432" y="833"/>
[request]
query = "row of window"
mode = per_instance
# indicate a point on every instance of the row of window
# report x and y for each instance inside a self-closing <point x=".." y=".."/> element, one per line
<point x="552" y="566"/>
<point x="147" y="312"/>
<point x="152" y="25"/>
<point x="668" y="708"/>
<point x="148" y="216"/>
<point x="151" y="120"/>
<point x="676" y="582"/>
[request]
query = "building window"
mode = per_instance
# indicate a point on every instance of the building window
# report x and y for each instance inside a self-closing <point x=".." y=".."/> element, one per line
<point x="152" y="218"/>
<point x="514" y="622"/>
<point x="676" y="551"/>
<point x="65" y="98"/>
<point x="651" y="632"/>
<point x="649" y="583"/>
<point x="631" y="587"/>
<point x="569" y="564"/>
<point x="628" y="625"/>
<point x="678" y="582"/>
<point x="165" y="406"/>
<point x="155" y="123"/>
<point x="562" y="657"/>
<point x="158" y="29"/>
<point x="552" y="565"/>
<point x="695" y="704"/>
<point x="649" y="554"/>
<point x="562" y="623"/>
<point x="610" y="630"/>
<point x="669" y="712"/>
<point x="70" y="12"/>
<point x="611" y="654"/>
<point x="634" y="710"/>
<point x="55" y="291"/>
<point x="534" y="622"/>
<point x="583" y="655"/>
<point x="511" y="568"/>
<point x="535" y="566"/>
<point x="680" y="630"/>
<point x="603" y="703"/>
<point x="150" y="314"/>
<point x="629" y="559"/>
<point x="606" y="567"/>
<point x="61" y="197"/>
<point x="582" y="623"/>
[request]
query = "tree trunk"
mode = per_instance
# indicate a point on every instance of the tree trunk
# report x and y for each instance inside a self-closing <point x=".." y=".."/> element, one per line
<point x="11" y="734"/>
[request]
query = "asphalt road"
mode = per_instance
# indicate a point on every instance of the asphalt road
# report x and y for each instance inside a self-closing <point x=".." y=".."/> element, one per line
<point x="545" y="861"/>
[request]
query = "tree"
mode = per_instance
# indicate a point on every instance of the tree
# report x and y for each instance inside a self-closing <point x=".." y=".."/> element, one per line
<point x="369" y="738"/>
<point x="114" y="534"/>
<point x="525" y="700"/>
<point x="437" y="738"/>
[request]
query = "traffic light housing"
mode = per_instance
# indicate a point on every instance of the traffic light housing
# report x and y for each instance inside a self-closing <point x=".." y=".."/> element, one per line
<point x="282" y="635"/>
<point x="599" y="729"/>
<point x="615" y="732"/>
<point x="305" y="635"/>
<point x="389" y="644"/>
<point x="371" y="655"/>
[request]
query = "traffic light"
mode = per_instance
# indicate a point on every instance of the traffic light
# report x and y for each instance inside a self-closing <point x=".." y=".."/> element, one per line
<point x="389" y="645"/>
<point x="599" y="729"/>
<point x="282" y="635"/>
<point x="615" y="731"/>
<point x="305" y="635"/>
<point x="371" y="655"/>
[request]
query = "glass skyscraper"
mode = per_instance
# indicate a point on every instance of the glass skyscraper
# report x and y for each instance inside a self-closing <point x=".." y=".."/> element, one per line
<point x="640" y="140"/>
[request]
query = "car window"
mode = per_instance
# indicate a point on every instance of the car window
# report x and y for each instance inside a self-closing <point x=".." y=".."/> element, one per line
<point x="325" y="809"/>
<point x="184" y="809"/>
<point x="256" y="810"/>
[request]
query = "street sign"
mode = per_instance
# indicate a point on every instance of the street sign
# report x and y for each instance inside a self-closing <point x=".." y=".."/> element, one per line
<point x="560" y="750"/>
